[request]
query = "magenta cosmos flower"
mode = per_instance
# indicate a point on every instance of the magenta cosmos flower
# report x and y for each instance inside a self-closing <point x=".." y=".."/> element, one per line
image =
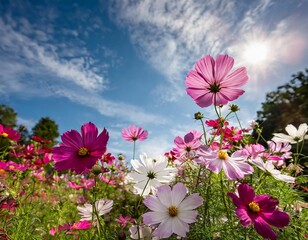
<point x="212" y="80"/>
<point x="172" y="210"/>
<point x="79" y="152"/>
<point x="258" y="210"/>
<point x="133" y="133"/>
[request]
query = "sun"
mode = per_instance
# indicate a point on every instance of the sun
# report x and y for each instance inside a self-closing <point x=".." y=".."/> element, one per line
<point x="256" y="53"/>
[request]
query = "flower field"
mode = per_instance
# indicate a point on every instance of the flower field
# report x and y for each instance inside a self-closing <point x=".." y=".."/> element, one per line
<point x="217" y="182"/>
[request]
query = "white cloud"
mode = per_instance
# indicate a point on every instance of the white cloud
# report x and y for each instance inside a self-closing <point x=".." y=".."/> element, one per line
<point x="23" y="49"/>
<point x="171" y="35"/>
<point x="36" y="68"/>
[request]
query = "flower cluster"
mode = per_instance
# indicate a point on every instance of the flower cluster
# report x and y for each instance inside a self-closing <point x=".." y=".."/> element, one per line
<point x="78" y="188"/>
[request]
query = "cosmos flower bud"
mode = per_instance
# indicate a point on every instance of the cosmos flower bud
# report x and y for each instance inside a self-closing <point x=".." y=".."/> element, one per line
<point x="234" y="108"/>
<point x="198" y="116"/>
<point x="96" y="169"/>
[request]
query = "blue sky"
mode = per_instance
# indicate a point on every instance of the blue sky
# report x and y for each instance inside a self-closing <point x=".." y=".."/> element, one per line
<point x="117" y="63"/>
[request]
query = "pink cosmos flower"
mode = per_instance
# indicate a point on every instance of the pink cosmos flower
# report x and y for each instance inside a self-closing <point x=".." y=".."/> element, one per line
<point x="84" y="183"/>
<point x="212" y="81"/>
<point x="234" y="167"/>
<point x="124" y="220"/>
<point x="133" y="133"/>
<point x="185" y="148"/>
<point x="79" y="152"/>
<point x="258" y="210"/>
<point x="10" y="133"/>
<point x="172" y="210"/>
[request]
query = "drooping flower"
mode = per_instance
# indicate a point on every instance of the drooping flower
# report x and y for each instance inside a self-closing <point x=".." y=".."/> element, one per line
<point x="133" y="133"/>
<point x="102" y="207"/>
<point x="211" y="81"/>
<point x="150" y="173"/>
<point x="124" y="220"/>
<point x="269" y="167"/>
<point x="172" y="210"/>
<point x="261" y="211"/>
<point x="234" y="166"/>
<point x="84" y="184"/>
<point x="295" y="135"/>
<point x="79" y="152"/>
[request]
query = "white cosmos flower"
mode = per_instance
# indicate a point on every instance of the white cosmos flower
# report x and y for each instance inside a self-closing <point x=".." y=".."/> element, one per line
<point x="295" y="135"/>
<point x="150" y="173"/>
<point x="269" y="167"/>
<point x="102" y="207"/>
<point x="172" y="210"/>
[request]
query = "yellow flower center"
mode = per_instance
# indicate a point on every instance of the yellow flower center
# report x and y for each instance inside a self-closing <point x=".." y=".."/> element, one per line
<point x="83" y="152"/>
<point x="173" y="211"/>
<point x="11" y="167"/>
<point x="254" y="207"/>
<point x="222" y="155"/>
<point x="4" y="134"/>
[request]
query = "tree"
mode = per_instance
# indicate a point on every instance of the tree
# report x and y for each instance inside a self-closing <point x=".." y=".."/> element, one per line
<point x="287" y="105"/>
<point x="46" y="129"/>
<point x="8" y="116"/>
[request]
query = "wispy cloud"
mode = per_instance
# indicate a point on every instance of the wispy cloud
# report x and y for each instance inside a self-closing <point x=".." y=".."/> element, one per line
<point x="37" y="67"/>
<point x="21" y="48"/>
<point x="171" y="35"/>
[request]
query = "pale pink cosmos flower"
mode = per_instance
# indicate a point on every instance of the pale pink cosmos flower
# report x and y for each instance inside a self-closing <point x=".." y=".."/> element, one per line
<point x="234" y="166"/>
<point x="133" y="133"/>
<point x="79" y="152"/>
<point x="269" y="167"/>
<point x="261" y="211"/>
<point x="172" y="210"/>
<point x="102" y="207"/>
<point x="211" y="81"/>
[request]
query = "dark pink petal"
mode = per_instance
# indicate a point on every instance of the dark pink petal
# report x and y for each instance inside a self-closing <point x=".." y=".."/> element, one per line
<point x="205" y="66"/>
<point x="266" y="203"/>
<point x="243" y="216"/>
<point x="236" y="200"/>
<point x="223" y="65"/>
<point x="89" y="134"/>
<point x="277" y="218"/>
<point x="189" y="137"/>
<point x="235" y="79"/>
<point x="72" y="139"/>
<point x="264" y="229"/>
<point x="246" y="193"/>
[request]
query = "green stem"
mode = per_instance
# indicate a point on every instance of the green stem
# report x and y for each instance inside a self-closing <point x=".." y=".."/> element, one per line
<point x="134" y="150"/>
<point x="204" y="132"/>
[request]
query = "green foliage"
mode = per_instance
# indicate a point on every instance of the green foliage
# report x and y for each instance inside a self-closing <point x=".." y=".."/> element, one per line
<point x="46" y="129"/>
<point x="8" y="116"/>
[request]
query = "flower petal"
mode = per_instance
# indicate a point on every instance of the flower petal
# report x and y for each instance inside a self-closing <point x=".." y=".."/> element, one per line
<point x="264" y="229"/>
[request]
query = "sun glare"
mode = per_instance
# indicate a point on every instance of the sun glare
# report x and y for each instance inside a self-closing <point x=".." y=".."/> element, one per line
<point x="256" y="53"/>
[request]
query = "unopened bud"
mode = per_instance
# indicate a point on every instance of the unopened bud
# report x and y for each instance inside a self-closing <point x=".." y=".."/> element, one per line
<point x="198" y="116"/>
<point x="234" y="108"/>
<point x="96" y="169"/>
